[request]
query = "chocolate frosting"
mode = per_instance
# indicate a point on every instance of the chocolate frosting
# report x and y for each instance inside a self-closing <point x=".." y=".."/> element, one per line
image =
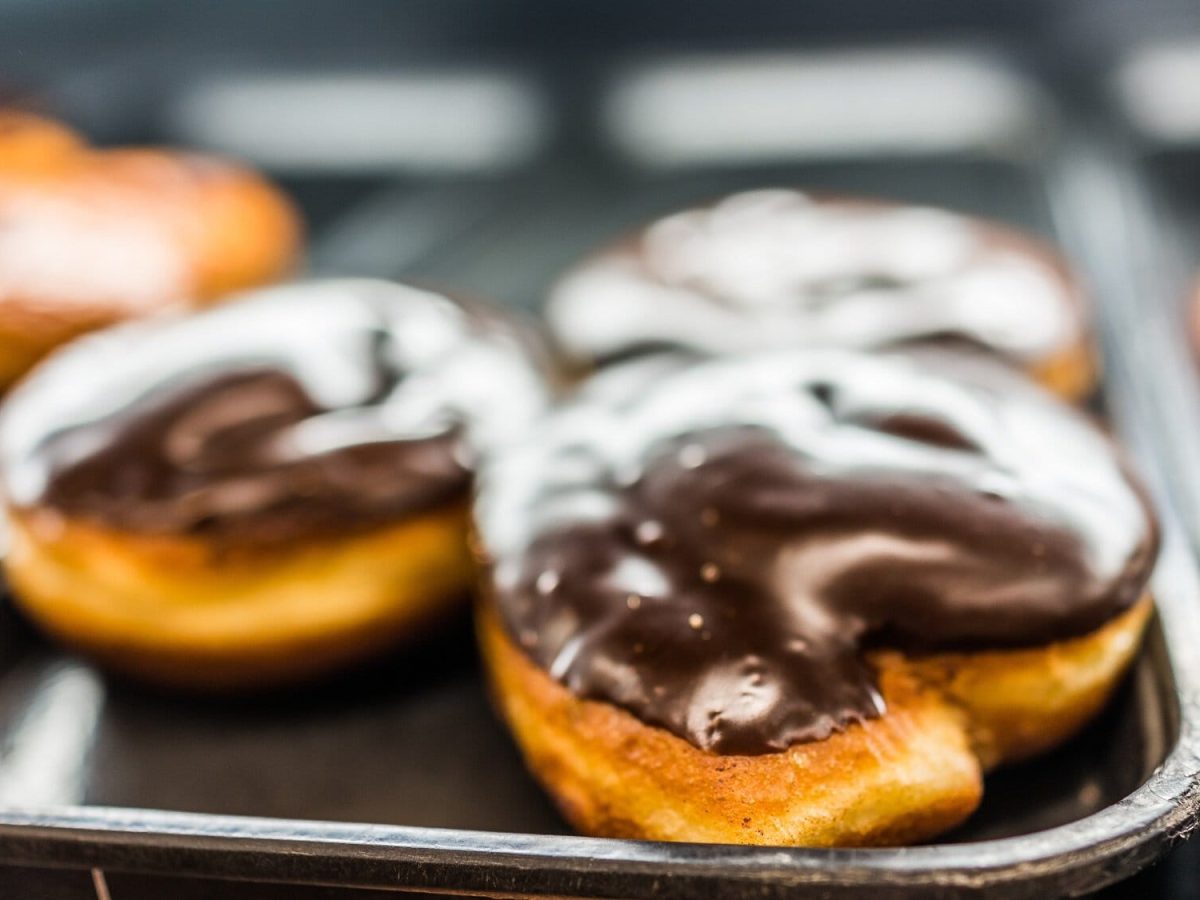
<point x="307" y="409"/>
<point x="777" y="268"/>
<point x="717" y="546"/>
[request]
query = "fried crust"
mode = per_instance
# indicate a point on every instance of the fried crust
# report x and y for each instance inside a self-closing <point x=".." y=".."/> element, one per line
<point x="188" y="612"/>
<point x="904" y="777"/>
<point x="1071" y="373"/>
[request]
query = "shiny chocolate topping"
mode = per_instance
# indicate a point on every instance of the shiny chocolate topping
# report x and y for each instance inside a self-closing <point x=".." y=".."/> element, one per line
<point x="777" y="268"/>
<point x="310" y="408"/>
<point x="718" y="546"/>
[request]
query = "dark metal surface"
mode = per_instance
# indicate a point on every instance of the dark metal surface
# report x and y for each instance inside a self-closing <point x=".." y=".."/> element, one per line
<point x="100" y="773"/>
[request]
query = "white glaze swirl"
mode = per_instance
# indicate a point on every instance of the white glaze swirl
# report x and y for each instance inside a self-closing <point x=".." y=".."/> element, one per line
<point x="776" y="268"/>
<point x="716" y="546"/>
<point x="356" y="391"/>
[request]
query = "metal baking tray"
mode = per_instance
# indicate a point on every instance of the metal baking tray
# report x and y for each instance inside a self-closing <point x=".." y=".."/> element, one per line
<point x="1152" y="167"/>
<point x="96" y="773"/>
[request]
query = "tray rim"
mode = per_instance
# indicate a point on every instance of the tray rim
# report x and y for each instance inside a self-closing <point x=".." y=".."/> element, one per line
<point x="1084" y="854"/>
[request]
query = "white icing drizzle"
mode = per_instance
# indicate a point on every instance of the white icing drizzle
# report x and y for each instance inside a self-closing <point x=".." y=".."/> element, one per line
<point x="446" y="367"/>
<point x="70" y="251"/>
<point x="565" y="472"/>
<point x="776" y="268"/>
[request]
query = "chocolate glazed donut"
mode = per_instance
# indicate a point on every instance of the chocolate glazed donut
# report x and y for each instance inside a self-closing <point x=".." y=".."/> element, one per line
<point x="779" y="268"/>
<point x="264" y="490"/>
<point x="890" y="571"/>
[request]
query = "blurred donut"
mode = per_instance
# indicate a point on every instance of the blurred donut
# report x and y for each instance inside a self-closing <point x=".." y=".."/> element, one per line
<point x="90" y="237"/>
<point x="779" y="268"/>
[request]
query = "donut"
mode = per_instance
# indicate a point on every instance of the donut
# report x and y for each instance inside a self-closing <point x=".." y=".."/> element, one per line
<point x="89" y="237"/>
<point x="775" y="269"/>
<point x="262" y="491"/>
<point x="804" y="597"/>
<point x="31" y="143"/>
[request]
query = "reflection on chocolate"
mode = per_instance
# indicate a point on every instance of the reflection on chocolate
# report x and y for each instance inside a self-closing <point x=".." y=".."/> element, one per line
<point x="310" y="408"/>
<point x="716" y="546"/>
<point x="776" y="268"/>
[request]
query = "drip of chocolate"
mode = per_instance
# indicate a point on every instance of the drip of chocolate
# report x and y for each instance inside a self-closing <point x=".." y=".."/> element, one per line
<point x="777" y="268"/>
<point x="303" y="410"/>
<point x="717" y="547"/>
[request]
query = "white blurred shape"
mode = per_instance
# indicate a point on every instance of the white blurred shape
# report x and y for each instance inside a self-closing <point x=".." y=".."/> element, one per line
<point x="46" y="755"/>
<point x="1158" y="87"/>
<point x="461" y="121"/>
<point x="912" y="101"/>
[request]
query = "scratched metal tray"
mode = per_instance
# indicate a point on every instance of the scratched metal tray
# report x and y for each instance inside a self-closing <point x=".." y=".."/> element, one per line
<point x="100" y="774"/>
<point x="1153" y="166"/>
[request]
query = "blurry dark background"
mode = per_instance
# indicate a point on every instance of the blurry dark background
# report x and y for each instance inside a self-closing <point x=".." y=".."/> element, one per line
<point x="80" y="50"/>
<point x="475" y="144"/>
